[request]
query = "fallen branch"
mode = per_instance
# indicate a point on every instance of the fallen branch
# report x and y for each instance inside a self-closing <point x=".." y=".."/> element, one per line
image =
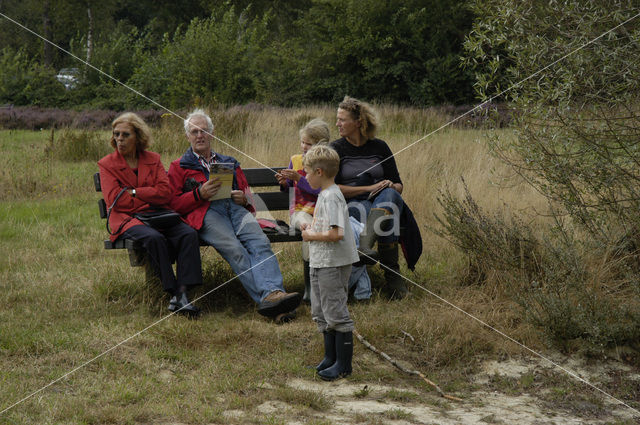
<point x="402" y="368"/>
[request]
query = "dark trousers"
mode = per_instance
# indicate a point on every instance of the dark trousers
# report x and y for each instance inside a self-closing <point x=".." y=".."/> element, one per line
<point x="179" y="242"/>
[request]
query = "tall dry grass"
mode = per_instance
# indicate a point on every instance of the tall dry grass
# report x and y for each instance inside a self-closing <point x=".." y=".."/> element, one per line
<point x="261" y="136"/>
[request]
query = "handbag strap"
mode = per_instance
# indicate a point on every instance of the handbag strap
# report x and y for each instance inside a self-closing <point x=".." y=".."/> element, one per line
<point x="123" y="190"/>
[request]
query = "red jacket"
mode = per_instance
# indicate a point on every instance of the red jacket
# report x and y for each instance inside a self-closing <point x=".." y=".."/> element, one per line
<point x="151" y="185"/>
<point x="189" y="204"/>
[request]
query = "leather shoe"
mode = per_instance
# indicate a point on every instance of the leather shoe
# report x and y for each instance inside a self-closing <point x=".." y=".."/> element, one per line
<point x="184" y="306"/>
<point x="173" y="304"/>
<point x="279" y="302"/>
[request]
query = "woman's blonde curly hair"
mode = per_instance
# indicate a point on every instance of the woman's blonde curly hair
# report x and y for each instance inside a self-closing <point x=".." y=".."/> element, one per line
<point x="363" y="113"/>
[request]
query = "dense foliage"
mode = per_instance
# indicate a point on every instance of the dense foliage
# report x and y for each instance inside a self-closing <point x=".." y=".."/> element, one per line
<point x="578" y="127"/>
<point x="572" y="70"/>
<point x="198" y="51"/>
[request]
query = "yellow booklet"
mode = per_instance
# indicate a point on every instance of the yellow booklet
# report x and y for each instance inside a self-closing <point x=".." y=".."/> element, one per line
<point x="223" y="171"/>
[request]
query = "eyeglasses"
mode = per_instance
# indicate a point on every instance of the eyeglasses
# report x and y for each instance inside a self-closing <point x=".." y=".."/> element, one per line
<point x="198" y="131"/>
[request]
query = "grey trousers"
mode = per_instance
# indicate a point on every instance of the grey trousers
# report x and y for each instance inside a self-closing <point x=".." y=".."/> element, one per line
<point x="329" y="291"/>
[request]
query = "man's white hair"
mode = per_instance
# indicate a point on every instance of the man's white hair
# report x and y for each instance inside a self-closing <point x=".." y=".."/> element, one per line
<point x="198" y="113"/>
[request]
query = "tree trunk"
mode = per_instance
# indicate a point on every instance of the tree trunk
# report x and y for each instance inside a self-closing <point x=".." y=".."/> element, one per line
<point x="47" y="51"/>
<point x="89" y="33"/>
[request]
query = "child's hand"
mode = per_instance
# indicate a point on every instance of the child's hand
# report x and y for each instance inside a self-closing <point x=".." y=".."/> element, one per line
<point x="282" y="180"/>
<point x="305" y="226"/>
<point x="290" y="174"/>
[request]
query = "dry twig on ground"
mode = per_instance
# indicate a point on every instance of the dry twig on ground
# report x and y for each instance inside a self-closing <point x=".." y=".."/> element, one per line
<point x="402" y="368"/>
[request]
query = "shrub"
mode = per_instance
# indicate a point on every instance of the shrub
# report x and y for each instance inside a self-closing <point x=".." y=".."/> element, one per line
<point x="492" y="243"/>
<point x="23" y="81"/>
<point x="569" y="291"/>
<point x="578" y="123"/>
<point x="211" y="60"/>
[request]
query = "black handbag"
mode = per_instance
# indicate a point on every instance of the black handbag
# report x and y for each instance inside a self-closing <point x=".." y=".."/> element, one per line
<point x="159" y="218"/>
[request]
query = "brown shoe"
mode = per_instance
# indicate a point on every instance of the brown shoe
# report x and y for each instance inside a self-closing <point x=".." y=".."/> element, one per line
<point x="279" y="302"/>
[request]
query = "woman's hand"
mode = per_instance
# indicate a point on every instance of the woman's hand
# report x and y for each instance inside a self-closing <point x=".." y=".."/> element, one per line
<point x="238" y="197"/>
<point x="209" y="188"/>
<point x="290" y="174"/>
<point x="377" y="187"/>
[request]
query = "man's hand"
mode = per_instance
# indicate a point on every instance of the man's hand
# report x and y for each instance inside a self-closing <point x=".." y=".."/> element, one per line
<point x="238" y="197"/>
<point x="210" y="188"/>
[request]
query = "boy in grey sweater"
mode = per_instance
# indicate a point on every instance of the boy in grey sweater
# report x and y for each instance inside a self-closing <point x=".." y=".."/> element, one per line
<point x="332" y="250"/>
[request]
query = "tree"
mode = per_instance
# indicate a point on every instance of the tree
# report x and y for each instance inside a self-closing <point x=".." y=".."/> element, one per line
<point x="578" y="121"/>
<point x="212" y="61"/>
<point x="399" y="51"/>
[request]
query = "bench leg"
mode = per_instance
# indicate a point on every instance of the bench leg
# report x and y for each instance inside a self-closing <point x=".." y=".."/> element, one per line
<point x="137" y="257"/>
<point x="307" y="283"/>
<point x="150" y="276"/>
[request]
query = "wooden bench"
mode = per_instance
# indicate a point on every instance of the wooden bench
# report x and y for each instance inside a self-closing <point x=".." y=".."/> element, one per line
<point x="263" y="201"/>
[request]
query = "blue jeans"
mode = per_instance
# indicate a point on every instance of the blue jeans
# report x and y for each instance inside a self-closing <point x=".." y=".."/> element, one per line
<point x="235" y="233"/>
<point x="359" y="276"/>
<point x="390" y="200"/>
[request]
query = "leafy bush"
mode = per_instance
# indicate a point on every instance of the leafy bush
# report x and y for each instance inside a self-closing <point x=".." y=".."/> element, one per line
<point x="578" y="127"/>
<point x="211" y="62"/>
<point x="23" y="81"/>
<point x="387" y="51"/>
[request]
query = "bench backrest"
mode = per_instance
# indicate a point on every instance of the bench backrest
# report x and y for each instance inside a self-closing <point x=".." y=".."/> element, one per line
<point x="256" y="177"/>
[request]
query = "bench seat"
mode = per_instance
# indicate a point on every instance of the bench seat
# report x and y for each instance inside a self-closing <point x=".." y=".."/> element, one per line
<point x="264" y="201"/>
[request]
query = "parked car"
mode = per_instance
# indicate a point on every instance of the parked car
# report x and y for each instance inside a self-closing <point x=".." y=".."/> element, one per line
<point x="69" y="77"/>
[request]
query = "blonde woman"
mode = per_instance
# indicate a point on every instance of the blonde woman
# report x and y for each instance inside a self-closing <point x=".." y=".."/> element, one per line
<point x="370" y="182"/>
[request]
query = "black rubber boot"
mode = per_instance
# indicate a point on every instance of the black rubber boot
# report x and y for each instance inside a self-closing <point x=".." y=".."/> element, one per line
<point x="307" y="283"/>
<point x="344" y="354"/>
<point x="368" y="237"/>
<point x="329" y="350"/>
<point x="396" y="287"/>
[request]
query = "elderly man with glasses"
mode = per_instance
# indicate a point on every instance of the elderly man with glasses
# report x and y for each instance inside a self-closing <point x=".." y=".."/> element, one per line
<point x="227" y="224"/>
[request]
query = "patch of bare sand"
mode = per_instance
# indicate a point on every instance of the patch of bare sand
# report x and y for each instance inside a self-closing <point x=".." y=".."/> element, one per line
<point x="481" y="407"/>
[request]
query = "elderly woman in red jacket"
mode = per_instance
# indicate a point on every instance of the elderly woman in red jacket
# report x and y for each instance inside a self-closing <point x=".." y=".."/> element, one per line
<point x="134" y="180"/>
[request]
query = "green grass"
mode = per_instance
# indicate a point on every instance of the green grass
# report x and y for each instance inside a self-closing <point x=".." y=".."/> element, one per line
<point x="66" y="300"/>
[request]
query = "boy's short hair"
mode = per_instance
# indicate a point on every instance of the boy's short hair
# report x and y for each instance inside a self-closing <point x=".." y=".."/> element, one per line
<point x="324" y="157"/>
